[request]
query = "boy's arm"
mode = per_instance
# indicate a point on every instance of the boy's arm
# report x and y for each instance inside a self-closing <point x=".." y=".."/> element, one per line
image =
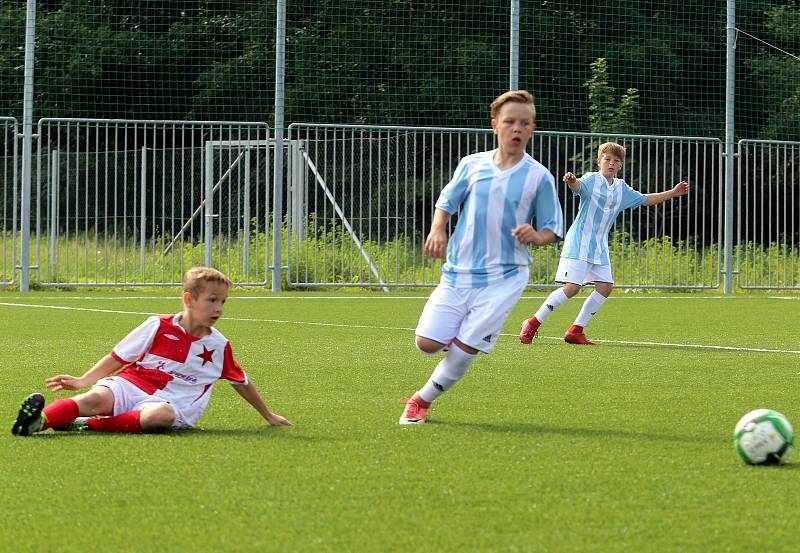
<point x="526" y="234"/>
<point x="572" y="181"/>
<point x="107" y="366"/>
<point x="680" y="189"/>
<point x="249" y="393"/>
<point x="436" y="243"/>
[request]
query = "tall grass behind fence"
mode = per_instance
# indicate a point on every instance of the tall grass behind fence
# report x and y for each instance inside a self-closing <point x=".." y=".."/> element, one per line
<point x="652" y="264"/>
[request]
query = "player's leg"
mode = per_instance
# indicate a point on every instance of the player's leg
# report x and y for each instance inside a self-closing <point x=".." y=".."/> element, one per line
<point x="71" y="413"/>
<point x="34" y="417"/>
<point x="29" y="416"/>
<point x="486" y="311"/>
<point x="152" y="416"/>
<point x="428" y="346"/>
<point x="440" y="320"/>
<point x="571" y="272"/>
<point x="603" y="288"/>
<point x="449" y="371"/>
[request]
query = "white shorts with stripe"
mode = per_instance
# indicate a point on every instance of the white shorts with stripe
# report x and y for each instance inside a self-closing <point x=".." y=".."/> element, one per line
<point x="129" y="397"/>
<point x="475" y="316"/>
<point x="578" y="271"/>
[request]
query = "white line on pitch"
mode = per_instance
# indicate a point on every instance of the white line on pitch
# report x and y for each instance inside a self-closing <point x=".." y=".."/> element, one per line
<point x="374" y="327"/>
<point x="621" y="296"/>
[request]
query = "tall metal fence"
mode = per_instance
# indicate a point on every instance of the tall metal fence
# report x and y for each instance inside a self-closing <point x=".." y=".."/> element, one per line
<point x="119" y="202"/>
<point x="768" y="212"/>
<point x="133" y="203"/>
<point x="10" y="183"/>
<point x="128" y="179"/>
<point x="362" y="197"/>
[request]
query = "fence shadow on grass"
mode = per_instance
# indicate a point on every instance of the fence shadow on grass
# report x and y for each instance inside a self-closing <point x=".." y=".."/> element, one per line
<point x="534" y="429"/>
<point x="196" y="433"/>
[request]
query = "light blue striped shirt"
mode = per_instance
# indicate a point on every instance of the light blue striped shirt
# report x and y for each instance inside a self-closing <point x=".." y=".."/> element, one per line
<point x="492" y="202"/>
<point x="587" y="237"/>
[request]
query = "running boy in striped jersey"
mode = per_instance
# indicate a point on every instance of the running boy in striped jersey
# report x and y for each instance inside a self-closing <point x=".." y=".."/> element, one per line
<point x="158" y="378"/>
<point x="584" y="257"/>
<point x="499" y="194"/>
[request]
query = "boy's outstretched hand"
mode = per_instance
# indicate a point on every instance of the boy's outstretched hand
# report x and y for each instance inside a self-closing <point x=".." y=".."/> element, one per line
<point x="63" y="382"/>
<point x="681" y="189"/>
<point x="276" y="420"/>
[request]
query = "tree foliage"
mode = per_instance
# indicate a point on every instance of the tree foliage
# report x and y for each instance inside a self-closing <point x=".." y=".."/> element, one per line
<point x="413" y="62"/>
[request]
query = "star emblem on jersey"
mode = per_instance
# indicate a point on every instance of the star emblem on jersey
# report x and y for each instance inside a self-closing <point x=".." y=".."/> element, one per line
<point x="207" y="356"/>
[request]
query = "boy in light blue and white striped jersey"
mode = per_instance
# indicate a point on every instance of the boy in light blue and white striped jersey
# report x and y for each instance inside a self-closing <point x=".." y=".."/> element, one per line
<point x="499" y="196"/>
<point x="584" y="257"/>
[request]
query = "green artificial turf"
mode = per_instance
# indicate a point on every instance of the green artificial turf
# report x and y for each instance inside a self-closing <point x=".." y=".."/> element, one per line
<point x="625" y="446"/>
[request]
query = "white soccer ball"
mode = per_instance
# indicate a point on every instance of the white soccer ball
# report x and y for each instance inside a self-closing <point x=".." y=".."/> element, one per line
<point x="763" y="437"/>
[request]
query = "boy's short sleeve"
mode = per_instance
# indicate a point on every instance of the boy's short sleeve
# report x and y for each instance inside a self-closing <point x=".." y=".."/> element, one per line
<point x="547" y="210"/>
<point x="630" y="197"/>
<point x="585" y="185"/>
<point x="137" y="342"/>
<point x="455" y="192"/>
<point x="231" y="370"/>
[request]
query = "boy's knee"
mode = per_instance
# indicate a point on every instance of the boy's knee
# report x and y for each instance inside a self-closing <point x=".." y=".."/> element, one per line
<point x="604" y="288"/>
<point x="157" y="417"/>
<point x="428" y="346"/>
<point x="99" y="400"/>
<point x="571" y="289"/>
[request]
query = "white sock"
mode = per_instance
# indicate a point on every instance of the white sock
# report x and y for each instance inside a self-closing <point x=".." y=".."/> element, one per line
<point x="552" y="302"/>
<point x="450" y="370"/>
<point x="590" y="307"/>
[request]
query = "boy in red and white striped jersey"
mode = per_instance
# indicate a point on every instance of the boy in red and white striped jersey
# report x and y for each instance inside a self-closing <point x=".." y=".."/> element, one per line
<point x="169" y="365"/>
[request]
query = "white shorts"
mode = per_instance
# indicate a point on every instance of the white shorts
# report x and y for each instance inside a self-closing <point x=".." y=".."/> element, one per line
<point x="129" y="397"/>
<point x="475" y="316"/>
<point x="578" y="271"/>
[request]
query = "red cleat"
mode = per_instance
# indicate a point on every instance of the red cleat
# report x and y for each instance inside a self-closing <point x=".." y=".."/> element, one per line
<point x="416" y="411"/>
<point x="575" y="335"/>
<point x="528" y="330"/>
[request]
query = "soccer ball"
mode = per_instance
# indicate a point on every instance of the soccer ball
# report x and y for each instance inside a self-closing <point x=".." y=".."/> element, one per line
<point x="763" y="437"/>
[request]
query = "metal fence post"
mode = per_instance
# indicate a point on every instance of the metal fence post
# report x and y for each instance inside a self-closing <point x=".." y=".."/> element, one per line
<point x="143" y="214"/>
<point x="277" y="210"/>
<point x="730" y="145"/>
<point x="27" y="136"/>
<point x="513" y="73"/>
<point x="209" y="204"/>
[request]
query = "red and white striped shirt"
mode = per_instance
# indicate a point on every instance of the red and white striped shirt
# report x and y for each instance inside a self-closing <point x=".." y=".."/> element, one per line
<point x="167" y="362"/>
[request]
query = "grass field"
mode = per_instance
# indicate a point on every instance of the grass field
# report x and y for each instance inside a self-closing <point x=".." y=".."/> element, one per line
<point x="626" y="446"/>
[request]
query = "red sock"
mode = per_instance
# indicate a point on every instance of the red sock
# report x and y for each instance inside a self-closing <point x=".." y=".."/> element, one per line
<point x="422" y="402"/>
<point x="60" y="413"/>
<point x="125" y="422"/>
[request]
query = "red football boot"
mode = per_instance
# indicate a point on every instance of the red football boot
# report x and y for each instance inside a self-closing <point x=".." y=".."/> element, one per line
<point x="528" y="330"/>
<point x="416" y="411"/>
<point x="575" y="335"/>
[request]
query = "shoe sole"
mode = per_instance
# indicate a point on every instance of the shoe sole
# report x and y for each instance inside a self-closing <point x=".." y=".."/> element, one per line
<point x="29" y="412"/>
<point x="411" y="421"/>
<point x="578" y="343"/>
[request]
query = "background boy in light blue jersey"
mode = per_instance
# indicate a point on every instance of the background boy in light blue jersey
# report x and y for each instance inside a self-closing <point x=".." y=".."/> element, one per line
<point x="584" y="257"/>
<point x="498" y="194"/>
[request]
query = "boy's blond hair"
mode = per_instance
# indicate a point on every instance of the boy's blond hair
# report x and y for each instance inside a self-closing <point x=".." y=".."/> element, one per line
<point x="196" y="278"/>
<point x="612" y="148"/>
<point x="519" y="96"/>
